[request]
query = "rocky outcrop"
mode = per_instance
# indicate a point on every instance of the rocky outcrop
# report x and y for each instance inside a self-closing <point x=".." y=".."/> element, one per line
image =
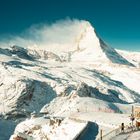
<point x="20" y="52"/>
<point x="44" y="55"/>
<point x="22" y="96"/>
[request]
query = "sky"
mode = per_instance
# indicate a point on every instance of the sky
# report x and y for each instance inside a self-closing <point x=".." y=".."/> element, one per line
<point x="117" y="22"/>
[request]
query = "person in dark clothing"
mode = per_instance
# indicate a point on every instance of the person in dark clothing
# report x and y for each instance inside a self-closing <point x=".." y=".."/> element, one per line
<point x="122" y="127"/>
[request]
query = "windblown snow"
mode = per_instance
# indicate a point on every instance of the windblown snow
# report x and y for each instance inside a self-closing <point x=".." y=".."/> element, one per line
<point x="80" y="77"/>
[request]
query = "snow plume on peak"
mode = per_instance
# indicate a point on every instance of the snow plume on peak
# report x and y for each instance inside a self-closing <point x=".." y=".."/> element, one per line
<point x="71" y="40"/>
<point x="43" y="35"/>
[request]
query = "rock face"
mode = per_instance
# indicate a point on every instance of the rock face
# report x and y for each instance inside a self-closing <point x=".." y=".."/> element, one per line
<point x="19" y="97"/>
<point x="20" y="52"/>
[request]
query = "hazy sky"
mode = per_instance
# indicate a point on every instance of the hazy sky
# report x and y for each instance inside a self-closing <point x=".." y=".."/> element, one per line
<point x="116" y="21"/>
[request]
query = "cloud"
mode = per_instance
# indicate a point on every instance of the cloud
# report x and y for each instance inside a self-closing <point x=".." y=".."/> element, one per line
<point x="42" y="35"/>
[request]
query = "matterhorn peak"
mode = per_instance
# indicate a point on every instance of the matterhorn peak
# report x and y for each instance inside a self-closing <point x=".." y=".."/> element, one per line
<point x="71" y="41"/>
<point x="89" y="47"/>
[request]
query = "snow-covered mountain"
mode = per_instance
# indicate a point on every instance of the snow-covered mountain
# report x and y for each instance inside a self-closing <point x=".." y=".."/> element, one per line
<point x="84" y="45"/>
<point x="68" y="79"/>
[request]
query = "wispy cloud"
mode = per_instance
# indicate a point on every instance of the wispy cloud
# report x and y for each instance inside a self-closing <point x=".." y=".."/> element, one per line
<point x="42" y="35"/>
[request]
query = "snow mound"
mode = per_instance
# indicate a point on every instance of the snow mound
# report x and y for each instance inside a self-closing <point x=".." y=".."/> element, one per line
<point x="54" y="129"/>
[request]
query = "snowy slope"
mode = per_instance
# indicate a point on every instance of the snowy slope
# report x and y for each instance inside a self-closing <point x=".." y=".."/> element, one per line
<point x="76" y="78"/>
<point x="133" y="57"/>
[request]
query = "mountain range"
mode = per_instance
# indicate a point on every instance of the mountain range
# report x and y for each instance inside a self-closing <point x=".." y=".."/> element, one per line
<point x="83" y="78"/>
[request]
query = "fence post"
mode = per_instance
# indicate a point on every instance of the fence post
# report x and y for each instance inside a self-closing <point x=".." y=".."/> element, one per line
<point x="101" y="134"/>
